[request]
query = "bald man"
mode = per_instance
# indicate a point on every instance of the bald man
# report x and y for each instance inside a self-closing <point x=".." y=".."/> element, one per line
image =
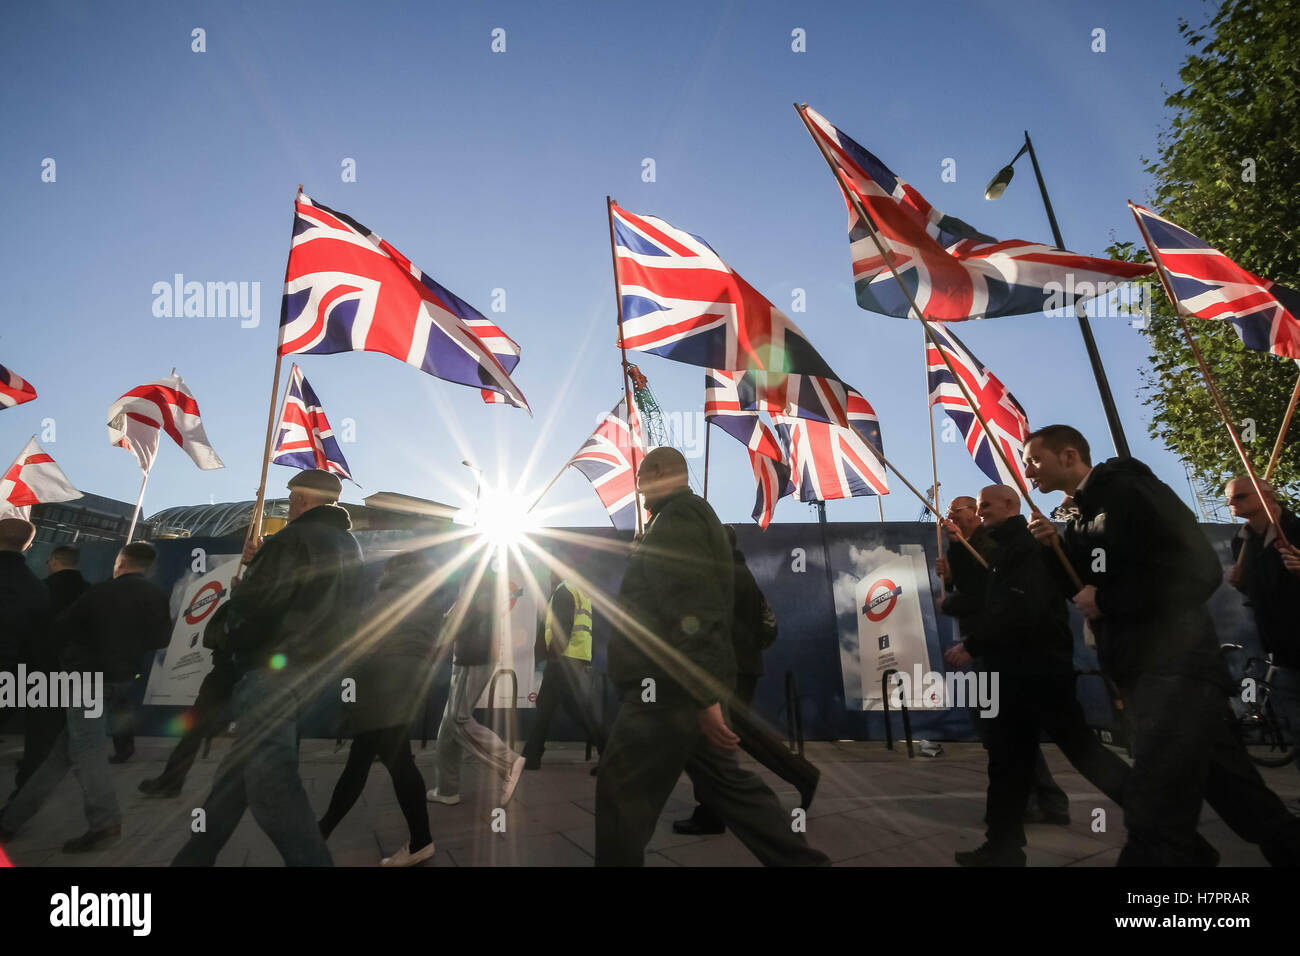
<point x="1267" y="572"/>
<point x="1023" y="633"/>
<point x="967" y="580"/>
<point x="671" y="658"/>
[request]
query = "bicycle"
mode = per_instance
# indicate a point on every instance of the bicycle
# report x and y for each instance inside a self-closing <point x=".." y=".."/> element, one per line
<point x="1267" y="741"/>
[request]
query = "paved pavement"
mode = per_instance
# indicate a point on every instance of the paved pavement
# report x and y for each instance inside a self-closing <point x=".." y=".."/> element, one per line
<point x="874" y="808"/>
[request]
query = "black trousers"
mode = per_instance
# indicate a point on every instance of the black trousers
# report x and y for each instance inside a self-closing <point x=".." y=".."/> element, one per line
<point x="393" y="747"/>
<point x="649" y="746"/>
<point x="757" y="740"/>
<point x="1186" y="750"/>
<point x="207" y="717"/>
<point x="41" y="728"/>
<point x="1028" y="706"/>
<point x="565" y="683"/>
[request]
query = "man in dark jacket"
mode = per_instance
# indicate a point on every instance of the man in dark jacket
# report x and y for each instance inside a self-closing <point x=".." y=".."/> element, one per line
<point x="754" y="630"/>
<point x="674" y="665"/>
<point x="966" y="580"/>
<point x="108" y="630"/>
<point x="24" y="625"/>
<point x="1148" y="572"/>
<point x="396" y="647"/>
<point x="1267" y="572"/>
<point x="42" y="726"/>
<point x="206" y="719"/>
<point x="472" y="624"/>
<point x="288" y="621"/>
<point x="1022" y="632"/>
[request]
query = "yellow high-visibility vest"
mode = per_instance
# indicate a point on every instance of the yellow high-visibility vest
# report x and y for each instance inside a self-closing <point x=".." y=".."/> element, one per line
<point x="579" y="648"/>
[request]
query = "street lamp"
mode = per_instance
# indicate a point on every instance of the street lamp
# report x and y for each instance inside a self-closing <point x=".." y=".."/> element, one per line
<point x="996" y="187"/>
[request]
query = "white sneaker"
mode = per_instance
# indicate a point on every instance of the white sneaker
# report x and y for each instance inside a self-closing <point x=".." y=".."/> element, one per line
<point x="404" y="856"/>
<point x="516" y="771"/>
<point x="449" y="799"/>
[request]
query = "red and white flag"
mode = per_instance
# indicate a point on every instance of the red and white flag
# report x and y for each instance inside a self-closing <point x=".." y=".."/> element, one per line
<point x="33" y="479"/>
<point x="14" y="389"/>
<point x="138" y="417"/>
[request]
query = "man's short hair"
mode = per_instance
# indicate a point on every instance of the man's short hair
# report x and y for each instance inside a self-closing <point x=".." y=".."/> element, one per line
<point x="16" y="534"/>
<point x="1264" y="486"/>
<point x="66" y="554"/>
<point x="1003" y="493"/>
<point x="1057" y="438"/>
<point x="667" y="460"/>
<point x="140" y="555"/>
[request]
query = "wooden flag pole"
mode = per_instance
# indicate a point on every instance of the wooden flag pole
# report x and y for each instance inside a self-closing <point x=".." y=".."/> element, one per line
<point x="1209" y="379"/>
<point x="622" y="347"/>
<point x="888" y="259"/>
<point x="934" y="459"/>
<point x="1281" y="432"/>
<point x="255" y="525"/>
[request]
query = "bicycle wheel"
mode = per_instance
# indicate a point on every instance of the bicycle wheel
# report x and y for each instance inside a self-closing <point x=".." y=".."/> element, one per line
<point x="1265" y="742"/>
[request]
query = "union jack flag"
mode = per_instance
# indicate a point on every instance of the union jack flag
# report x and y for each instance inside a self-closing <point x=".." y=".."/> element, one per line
<point x="772" y="483"/>
<point x="1209" y="285"/>
<point x="346" y="289"/>
<point x="953" y="271"/>
<point x="999" y="407"/>
<point x="731" y="404"/>
<point x="14" y="389"/>
<point x="306" y="439"/>
<point x="609" y="459"/>
<point x="681" y="301"/>
<point x="829" y="462"/>
<point x="33" y="479"/>
<point x="136" y="420"/>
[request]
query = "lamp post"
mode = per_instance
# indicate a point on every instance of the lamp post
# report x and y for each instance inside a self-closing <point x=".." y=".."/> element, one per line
<point x="996" y="187"/>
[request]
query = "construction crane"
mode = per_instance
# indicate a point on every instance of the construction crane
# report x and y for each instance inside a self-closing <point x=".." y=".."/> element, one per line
<point x="652" y="419"/>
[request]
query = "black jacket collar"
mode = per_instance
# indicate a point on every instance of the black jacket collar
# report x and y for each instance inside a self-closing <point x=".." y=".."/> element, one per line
<point x="334" y="515"/>
<point x="1009" y="528"/>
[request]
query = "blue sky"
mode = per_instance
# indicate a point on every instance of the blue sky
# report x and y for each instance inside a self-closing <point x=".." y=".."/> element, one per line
<point x="489" y="170"/>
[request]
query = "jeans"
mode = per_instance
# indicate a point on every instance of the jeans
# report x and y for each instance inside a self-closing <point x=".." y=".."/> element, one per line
<point x="649" y="746"/>
<point x="261" y="774"/>
<point x="1028" y="706"/>
<point x="459" y="731"/>
<point x="1186" y="750"/>
<point x="83" y="748"/>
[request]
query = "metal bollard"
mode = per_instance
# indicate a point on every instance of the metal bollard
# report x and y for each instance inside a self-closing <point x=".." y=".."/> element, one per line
<point x="514" y="705"/>
<point x="794" y="712"/>
<point x="907" y="720"/>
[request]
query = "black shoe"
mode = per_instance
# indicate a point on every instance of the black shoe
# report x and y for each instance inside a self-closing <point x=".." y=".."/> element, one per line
<point x="121" y="758"/>
<point x="991" y="854"/>
<point x="158" y="787"/>
<point x="806" y="796"/>
<point x="595" y="770"/>
<point x="692" y="827"/>
<point x="94" y="840"/>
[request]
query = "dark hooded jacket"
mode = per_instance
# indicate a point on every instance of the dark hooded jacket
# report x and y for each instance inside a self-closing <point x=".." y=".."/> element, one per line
<point x="301" y="594"/>
<point x="678" y="586"/>
<point x="394" y="676"/>
<point x="1272" y="591"/>
<point x="1023" y="625"/>
<point x="113" y="625"/>
<point x="1132" y="538"/>
<point x="24" y="609"/>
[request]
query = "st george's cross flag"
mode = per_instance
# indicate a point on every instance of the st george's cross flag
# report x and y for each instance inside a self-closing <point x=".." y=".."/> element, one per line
<point x="138" y="418"/>
<point x="305" y="439"/>
<point x="348" y="290"/>
<point x="1006" y="418"/>
<point x="682" y="301"/>
<point x="14" y="389"/>
<point x="33" y="479"/>
<point x="1209" y="285"/>
<point x="953" y="271"/>
<point x="607" y="461"/>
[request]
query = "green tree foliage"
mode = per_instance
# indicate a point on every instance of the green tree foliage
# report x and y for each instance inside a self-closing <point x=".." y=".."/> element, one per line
<point x="1228" y="170"/>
